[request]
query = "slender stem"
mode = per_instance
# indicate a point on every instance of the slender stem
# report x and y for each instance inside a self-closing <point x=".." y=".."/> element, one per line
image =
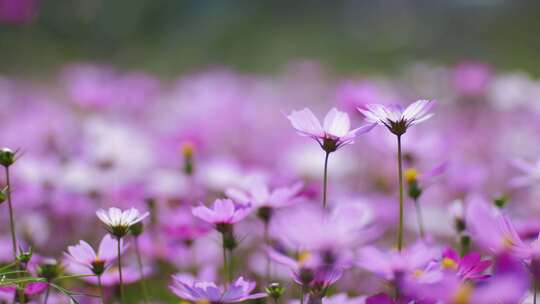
<point x="400" y="176"/>
<point x="302" y="294"/>
<point x="535" y="289"/>
<point x="231" y="264"/>
<point x="419" y="218"/>
<point x="325" y="178"/>
<point x="100" y="286"/>
<point x="226" y="273"/>
<point x="120" y="270"/>
<point x="21" y="295"/>
<point x="141" y="271"/>
<point x="11" y="220"/>
<point x="267" y="242"/>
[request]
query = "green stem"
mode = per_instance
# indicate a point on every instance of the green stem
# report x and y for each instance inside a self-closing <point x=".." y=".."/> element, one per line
<point x="11" y="220"/>
<point x="120" y="270"/>
<point x="226" y="273"/>
<point x="302" y="294"/>
<point x="400" y="176"/>
<point x="141" y="270"/>
<point x="231" y="262"/>
<point x="100" y="286"/>
<point x="325" y="179"/>
<point x="419" y="219"/>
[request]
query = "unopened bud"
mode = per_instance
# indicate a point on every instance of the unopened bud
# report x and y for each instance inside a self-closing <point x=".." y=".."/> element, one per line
<point x="275" y="290"/>
<point x="7" y="157"/>
<point x="500" y="201"/>
<point x="25" y="256"/>
<point x="137" y="228"/>
<point x="49" y="269"/>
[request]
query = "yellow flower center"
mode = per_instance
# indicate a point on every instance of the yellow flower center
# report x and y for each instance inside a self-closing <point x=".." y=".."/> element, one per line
<point x="303" y="256"/>
<point x="411" y="175"/>
<point x="418" y="273"/>
<point x="188" y="149"/>
<point x="448" y="263"/>
<point x="463" y="295"/>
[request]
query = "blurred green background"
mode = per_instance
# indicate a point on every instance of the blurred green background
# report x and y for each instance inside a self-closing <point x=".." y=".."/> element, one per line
<point x="173" y="36"/>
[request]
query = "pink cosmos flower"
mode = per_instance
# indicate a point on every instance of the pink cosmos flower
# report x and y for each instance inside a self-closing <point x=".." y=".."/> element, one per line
<point x="259" y="195"/>
<point x="492" y="229"/>
<point x="333" y="134"/>
<point x="395" y="118"/>
<point x="83" y="254"/>
<point x="392" y="265"/>
<point x="199" y="291"/>
<point x="224" y="211"/>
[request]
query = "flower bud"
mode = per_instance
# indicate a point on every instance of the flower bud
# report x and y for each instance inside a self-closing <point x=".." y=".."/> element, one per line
<point x="25" y="256"/>
<point x="7" y="157"/>
<point x="49" y="269"/>
<point x="275" y="290"/>
<point x="500" y="201"/>
<point x="136" y="229"/>
<point x="187" y="151"/>
<point x="3" y="195"/>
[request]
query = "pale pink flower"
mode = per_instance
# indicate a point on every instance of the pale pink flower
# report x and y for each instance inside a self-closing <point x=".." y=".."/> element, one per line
<point x="333" y="134"/>
<point x="395" y="118"/>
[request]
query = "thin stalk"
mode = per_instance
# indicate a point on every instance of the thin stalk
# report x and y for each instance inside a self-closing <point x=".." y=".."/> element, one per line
<point x="231" y="264"/>
<point x="325" y="179"/>
<point x="302" y="294"/>
<point x="20" y="294"/>
<point x="100" y="287"/>
<point x="226" y="273"/>
<point x="267" y="242"/>
<point x="400" y="176"/>
<point x="419" y="219"/>
<point x="11" y="220"/>
<point x="141" y="271"/>
<point x="120" y="271"/>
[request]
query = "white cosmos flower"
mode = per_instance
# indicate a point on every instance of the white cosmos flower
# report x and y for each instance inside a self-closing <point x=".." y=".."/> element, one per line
<point x="117" y="221"/>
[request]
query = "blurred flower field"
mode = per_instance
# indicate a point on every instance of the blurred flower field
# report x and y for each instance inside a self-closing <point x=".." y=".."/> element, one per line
<point x="228" y="187"/>
<point x="343" y="152"/>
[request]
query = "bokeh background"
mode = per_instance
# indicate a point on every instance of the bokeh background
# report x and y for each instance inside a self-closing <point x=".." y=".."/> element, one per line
<point x="171" y="36"/>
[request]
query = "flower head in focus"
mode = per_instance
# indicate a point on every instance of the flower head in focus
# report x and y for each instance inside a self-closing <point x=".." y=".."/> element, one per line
<point x="333" y="134"/>
<point x="203" y="292"/>
<point x="84" y="255"/>
<point x="118" y="222"/>
<point x="395" y="118"/>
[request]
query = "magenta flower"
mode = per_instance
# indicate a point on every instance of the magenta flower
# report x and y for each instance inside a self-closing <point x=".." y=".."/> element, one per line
<point x="333" y="134"/>
<point x="84" y="255"/>
<point x="469" y="267"/>
<point x="199" y="291"/>
<point x="224" y="212"/>
<point x="395" y="118"/>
